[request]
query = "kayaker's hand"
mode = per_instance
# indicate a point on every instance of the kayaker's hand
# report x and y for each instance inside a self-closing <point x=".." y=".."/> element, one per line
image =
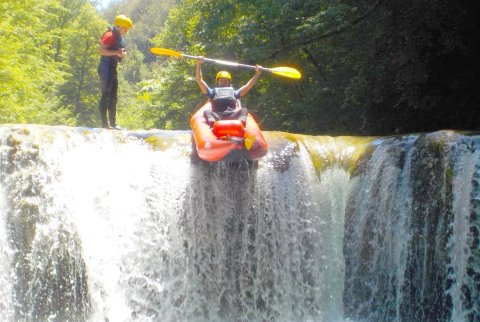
<point x="258" y="69"/>
<point x="200" y="60"/>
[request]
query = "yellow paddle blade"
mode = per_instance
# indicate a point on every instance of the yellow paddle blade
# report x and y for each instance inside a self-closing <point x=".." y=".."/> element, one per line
<point x="165" y="52"/>
<point x="287" y="72"/>
<point x="248" y="141"/>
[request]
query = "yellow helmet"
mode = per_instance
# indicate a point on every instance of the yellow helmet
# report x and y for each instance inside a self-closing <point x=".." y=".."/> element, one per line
<point x="223" y="74"/>
<point x="123" y="21"/>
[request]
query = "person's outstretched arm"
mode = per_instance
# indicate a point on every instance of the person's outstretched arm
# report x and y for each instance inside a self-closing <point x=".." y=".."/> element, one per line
<point x="245" y="88"/>
<point x="198" y="76"/>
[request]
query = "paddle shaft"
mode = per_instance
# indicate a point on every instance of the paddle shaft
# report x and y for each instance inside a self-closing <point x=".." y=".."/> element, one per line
<point x="228" y="63"/>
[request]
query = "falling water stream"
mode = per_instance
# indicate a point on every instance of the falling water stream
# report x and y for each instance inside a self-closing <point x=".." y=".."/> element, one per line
<point x="127" y="226"/>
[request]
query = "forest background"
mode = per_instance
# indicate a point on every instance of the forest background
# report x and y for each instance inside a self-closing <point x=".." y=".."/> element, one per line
<point x="369" y="67"/>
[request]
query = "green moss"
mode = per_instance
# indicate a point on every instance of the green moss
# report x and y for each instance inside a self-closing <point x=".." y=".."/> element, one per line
<point x="326" y="151"/>
<point x="438" y="141"/>
<point x="13" y="141"/>
<point x="156" y="142"/>
<point x="163" y="143"/>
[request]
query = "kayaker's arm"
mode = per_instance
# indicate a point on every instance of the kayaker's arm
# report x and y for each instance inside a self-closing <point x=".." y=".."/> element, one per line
<point x="245" y="88"/>
<point x="104" y="51"/>
<point x="198" y="76"/>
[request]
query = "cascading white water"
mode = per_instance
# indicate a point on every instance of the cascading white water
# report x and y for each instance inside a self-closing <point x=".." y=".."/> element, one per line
<point x="136" y="233"/>
<point x="6" y="276"/>
<point x="464" y="245"/>
<point x="124" y="226"/>
<point x="412" y="231"/>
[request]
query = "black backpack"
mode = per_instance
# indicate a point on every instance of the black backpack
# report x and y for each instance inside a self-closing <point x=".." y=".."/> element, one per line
<point x="223" y="99"/>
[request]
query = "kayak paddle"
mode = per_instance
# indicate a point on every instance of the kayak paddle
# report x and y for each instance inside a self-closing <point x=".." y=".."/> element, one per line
<point x="282" y="71"/>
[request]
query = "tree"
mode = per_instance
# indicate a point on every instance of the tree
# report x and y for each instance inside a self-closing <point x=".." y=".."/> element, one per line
<point x="29" y="70"/>
<point x="81" y="30"/>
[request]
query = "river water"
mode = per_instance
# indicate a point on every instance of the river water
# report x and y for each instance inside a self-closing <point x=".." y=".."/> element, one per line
<point x="102" y="225"/>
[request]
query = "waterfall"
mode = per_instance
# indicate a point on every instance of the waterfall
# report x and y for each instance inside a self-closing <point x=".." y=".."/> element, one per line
<point x="101" y="225"/>
<point x="412" y="231"/>
<point x="6" y="277"/>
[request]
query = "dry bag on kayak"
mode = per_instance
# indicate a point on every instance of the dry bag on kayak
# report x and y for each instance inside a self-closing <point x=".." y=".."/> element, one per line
<point x="224" y="128"/>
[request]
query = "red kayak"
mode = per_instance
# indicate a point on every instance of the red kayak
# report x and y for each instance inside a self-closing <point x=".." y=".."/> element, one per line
<point x="227" y="140"/>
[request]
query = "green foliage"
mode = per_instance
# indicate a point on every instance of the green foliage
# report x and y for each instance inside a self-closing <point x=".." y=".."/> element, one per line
<point x="44" y="60"/>
<point x="266" y="33"/>
<point x="25" y="62"/>
<point x="79" y="53"/>
<point x="369" y="67"/>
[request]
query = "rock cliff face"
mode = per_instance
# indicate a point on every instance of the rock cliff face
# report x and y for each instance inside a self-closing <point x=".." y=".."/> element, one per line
<point x="128" y="226"/>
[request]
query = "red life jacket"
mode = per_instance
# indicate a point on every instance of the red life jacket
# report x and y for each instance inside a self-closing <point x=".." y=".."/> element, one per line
<point x="118" y="43"/>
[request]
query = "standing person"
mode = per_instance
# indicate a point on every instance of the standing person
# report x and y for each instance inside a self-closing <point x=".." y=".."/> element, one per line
<point x="112" y="50"/>
<point x="223" y="97"/>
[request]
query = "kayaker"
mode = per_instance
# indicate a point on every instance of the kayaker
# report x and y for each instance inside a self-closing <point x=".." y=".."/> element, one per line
<point x="112" y="50"/>
<point x="224" y="98"/>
